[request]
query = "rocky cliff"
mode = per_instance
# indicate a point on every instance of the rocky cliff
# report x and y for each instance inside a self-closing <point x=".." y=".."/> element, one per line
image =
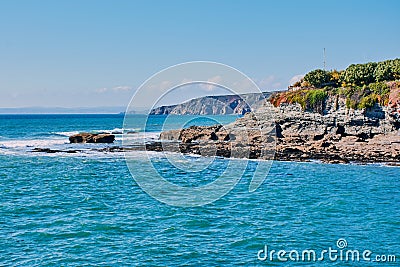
<point x="215" y="105"/>
<point x="338" y="134"/>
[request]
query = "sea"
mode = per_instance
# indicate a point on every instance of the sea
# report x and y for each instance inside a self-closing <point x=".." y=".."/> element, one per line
<point x="87" y="209"/>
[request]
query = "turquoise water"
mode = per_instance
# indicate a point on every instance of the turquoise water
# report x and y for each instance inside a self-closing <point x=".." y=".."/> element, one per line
<point x="85" y="209"/>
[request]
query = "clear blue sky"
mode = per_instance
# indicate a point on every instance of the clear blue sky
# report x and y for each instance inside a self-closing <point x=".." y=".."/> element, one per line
<point x="96" y="53"/>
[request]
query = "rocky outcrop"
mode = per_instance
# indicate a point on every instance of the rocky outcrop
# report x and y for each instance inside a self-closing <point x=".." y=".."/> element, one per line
<point x="349" y="136"/>
<point x="91" y="138"/>
<point x="338" y="135"/>
<point x="196" y="133"/>
<point x="215" y="105"/>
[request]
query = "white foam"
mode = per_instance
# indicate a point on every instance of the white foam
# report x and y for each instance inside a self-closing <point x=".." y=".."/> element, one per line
<point x="66" y="133"/>
<point x="152" y="136"/>
<point x="25" y="146"/>
<point x="32" y="143"/>
<point x="116" y="131"/>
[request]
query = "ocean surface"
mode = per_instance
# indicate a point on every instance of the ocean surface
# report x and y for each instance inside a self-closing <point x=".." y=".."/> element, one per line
<point x="85" y="209"/>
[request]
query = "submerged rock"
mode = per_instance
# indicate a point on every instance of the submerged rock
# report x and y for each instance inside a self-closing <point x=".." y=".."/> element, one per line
<point x="91" y="138"/>
<point x="50" y="151"/>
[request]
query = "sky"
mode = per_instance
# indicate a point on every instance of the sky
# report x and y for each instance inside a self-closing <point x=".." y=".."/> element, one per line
<point x="71" y="53"/>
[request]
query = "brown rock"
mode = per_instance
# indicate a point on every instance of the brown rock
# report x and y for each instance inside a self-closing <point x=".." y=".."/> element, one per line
<point x="92" y="138"/>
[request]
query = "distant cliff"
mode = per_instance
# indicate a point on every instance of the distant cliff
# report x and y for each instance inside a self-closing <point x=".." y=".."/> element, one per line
<point x="215" y="105"/>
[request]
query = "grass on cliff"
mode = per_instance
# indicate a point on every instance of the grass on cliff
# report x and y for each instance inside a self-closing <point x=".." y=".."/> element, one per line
<point x="309" y="99"/>
<point x="363" y="97"/>
<point x="357" y="97"/>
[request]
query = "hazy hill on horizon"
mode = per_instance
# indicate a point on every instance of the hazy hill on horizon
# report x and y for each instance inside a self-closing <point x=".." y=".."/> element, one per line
<point x="215" y="105"/>
<point x="64" y="110"/>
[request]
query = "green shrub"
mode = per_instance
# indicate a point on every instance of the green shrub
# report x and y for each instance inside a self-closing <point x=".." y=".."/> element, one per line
<point x="383" y="71"/>
<point x="335" y="91"/>
<point x="314" y="100"/>
<point x="315" y="96"/>
<point x="359" y="74"/>
<point x="308" y="99"/>
<point x="364" y="74"/>
<point x="351" y="103"/>
<point x="349" y="91"/>
<point x="299" y="98"/>
<point x="354" y="95"/>
<point x="335" y="77"/>
<point x="296" y="97"/>
<point x="395" y="68"/>
<point x="379" y="88"/>
<point x="318" y="77"/>
<point x="368" y="101"/>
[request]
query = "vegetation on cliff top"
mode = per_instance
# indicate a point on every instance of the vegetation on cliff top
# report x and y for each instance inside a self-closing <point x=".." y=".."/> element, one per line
<point x="363" y="85"/>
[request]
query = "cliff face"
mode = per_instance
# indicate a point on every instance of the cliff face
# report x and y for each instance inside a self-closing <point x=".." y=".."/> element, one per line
<point x="336" y="119"/>
<point x="340" y="135"/>
<point x="215" y="105"/>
